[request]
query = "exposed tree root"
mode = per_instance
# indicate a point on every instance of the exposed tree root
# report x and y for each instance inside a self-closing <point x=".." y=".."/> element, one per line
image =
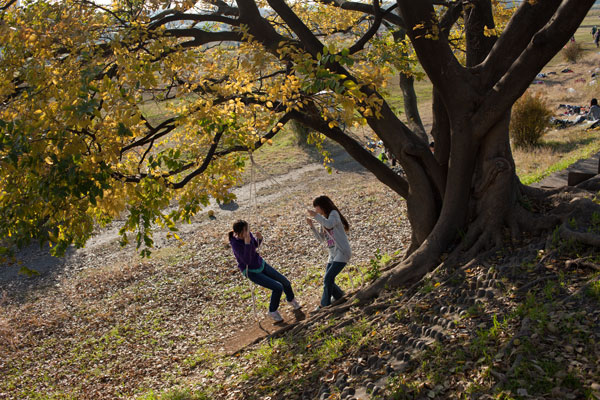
<point x="531" y="284"/>
<point x="588" y="238"/>
<point x="591" y="185"/>
<point x="581" y="290"/>
<point x="411" y="269"/>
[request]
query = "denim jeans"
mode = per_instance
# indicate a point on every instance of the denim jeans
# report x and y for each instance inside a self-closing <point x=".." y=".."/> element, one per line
<point x="329" y="286"/>
<point x="271" y="279"/>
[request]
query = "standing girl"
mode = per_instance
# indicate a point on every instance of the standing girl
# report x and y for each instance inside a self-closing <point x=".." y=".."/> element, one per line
<point x="333" y="232"/>
<point x="251" y="264"/>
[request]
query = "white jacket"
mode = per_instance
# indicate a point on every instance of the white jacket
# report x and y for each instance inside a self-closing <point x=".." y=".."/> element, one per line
<point x="332" y="232"/>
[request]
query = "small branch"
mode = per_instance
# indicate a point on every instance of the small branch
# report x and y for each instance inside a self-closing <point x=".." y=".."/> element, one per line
<point x="581" y="289"/>
<point x="155" y="133"/>
<point x="179" y="16"/>
<point x="207" y="159"/>
<point x="360" y="44"/>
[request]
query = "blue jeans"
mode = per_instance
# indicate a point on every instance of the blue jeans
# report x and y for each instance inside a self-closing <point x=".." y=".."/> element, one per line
<point x="329" y="286"/>
<point x="271" y="279"/>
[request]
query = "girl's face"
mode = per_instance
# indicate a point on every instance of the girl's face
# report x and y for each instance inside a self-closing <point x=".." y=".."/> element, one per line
<point x="319" y="210"/>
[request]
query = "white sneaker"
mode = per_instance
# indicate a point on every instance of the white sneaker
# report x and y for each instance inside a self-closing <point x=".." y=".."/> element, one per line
<point x="276" y="316"/>
<point x="295" y="305"/>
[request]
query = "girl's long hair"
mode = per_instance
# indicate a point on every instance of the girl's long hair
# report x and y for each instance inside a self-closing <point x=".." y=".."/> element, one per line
<point x="238" y="227"/>
<point x="327" y="205"/>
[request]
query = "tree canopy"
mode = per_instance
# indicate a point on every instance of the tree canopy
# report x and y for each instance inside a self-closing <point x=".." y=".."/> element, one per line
<point x="130" y="106"/>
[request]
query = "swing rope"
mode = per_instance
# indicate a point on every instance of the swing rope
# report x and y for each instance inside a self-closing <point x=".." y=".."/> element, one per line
<point x="250" y="286"/>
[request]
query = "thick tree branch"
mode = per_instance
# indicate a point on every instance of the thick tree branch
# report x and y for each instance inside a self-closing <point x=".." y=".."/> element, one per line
<point x="526" y="22"/>
<point x="178" y="17"/>
<point x="433" y="49"/>
<point x="360" y="44"/>
<point x="478" y="17"/>
<point x="222" y="7"/>
<point x="305" y="35"/>
<point x="260" y="27"/>
<point x="450" y="17"/>
<point x="542" y="48"/>
<point x="201" y="37"/>
<point x="357" y="151"/>
<point x="7" y="5"/>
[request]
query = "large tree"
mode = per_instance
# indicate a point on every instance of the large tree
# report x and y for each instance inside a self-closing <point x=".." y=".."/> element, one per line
<point x="129" y="106"/>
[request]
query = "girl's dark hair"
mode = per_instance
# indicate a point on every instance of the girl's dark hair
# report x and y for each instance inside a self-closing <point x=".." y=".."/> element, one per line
<point x="238" y="227"/>
<point x="327" y="205"/>
<point x="594" y="102"/>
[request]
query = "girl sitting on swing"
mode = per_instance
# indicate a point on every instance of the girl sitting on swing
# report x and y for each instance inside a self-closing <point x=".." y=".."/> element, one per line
<point x="252" y="266"/>
<point x="332" y="232"/>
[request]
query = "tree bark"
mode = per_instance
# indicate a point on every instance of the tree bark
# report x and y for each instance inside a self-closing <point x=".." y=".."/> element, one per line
<point x="407" y="85"/>
<point x="411" y="109"/>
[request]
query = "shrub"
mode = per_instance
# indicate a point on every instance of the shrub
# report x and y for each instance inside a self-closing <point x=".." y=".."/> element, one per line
<point x="530" y="119"/>
<point x="572" y="52"/>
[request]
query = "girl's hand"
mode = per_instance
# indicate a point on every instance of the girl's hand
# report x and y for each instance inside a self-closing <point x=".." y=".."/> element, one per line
<point x="259" y="235"/>
<point x="312" y="213"/>
<point x="310" y="221"/>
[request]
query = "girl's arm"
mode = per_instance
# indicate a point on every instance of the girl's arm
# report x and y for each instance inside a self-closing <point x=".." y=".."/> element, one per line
<point x="258" y="239"/>
<point x="318" y="234"/>
<point x="329" y="223"/>
<point x="249" y="249"/>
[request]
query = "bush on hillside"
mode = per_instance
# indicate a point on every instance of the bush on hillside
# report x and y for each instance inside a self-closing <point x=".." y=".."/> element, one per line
<point x="530" y="119"/>
<point x="572" y="52"/>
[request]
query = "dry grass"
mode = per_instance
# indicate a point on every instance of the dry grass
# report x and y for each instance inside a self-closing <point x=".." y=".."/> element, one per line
<point x="556" y="86"/>
<point x="572" y="52"/>
<point x="9" y="338"/>
<point x="555" y="146"/>
<point x="569" y="143"/>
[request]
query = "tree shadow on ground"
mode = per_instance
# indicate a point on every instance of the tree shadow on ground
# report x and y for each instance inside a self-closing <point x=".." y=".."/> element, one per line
<point x="32" y="267"/>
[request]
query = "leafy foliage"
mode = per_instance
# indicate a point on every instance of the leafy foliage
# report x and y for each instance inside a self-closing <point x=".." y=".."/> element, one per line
<point x="104" y="110"/>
